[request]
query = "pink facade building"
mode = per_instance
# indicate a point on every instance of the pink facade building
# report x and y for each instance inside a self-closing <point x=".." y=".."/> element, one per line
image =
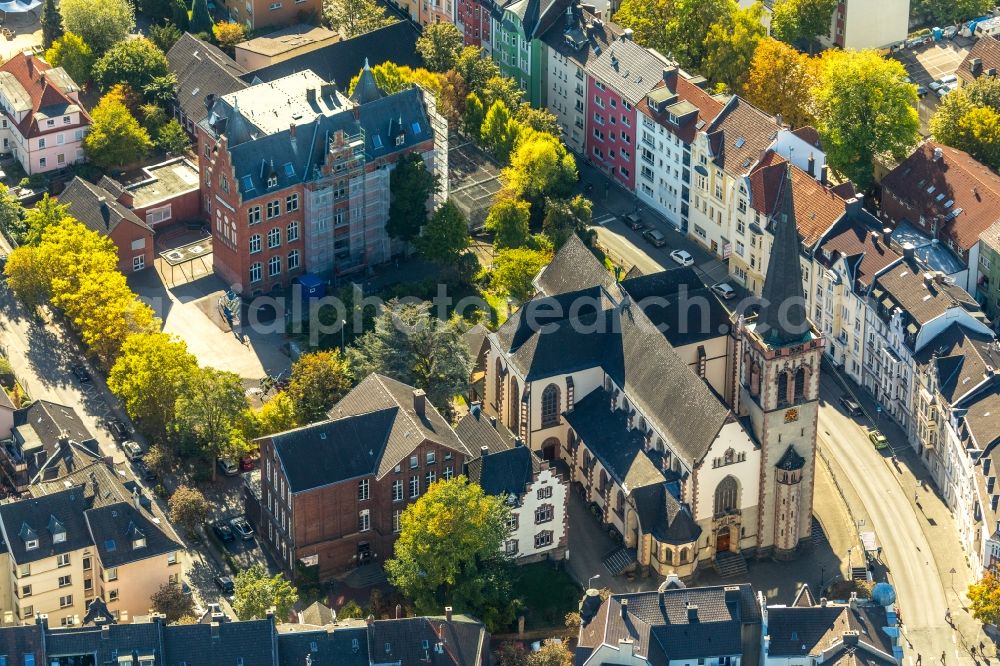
<point x="42" y="121"/>
<point x="617" y="80"/>
<point x="473" y="19"/>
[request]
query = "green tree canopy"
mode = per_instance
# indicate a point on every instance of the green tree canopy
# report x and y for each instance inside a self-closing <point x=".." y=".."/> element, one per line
<point x="52" y="24"/>
<point x="275" y="415"/>
<point x="100" y="23"/>
<point x="446" y="235"/>
<point x="413" y="346"/>
<point x="967" y="119"/>
<point x="865" y="111"/>
<point x="801" y="21"/>
<point x="319" y="380"/>
<point x="116" y="138"/>
<point x="148" y="377"/>
<point x="411" y="185"/>
<point x="188" y="508"/>
<point x="208" y="412"/>
<point x="508" y="221"/>
<point x="449" y="553"/>
<point x="540" y="166"/>
<point x="499" y="131"/>
<point x="944" y="12"/>
<point x="172" y="139"/>
<point x="165" y="35"/>
<point x="256" y="591"/>
<point x="472" y="118"/>
<point x="514" y="270"/>
<point x="565" y="217"/>
<point x="355" y="17"/>
<point x="538" y="120"/>
<point x="201" y="18"/>
<point x="72" y="54"/>
<point x="730" y="46"/>
<point x="134" y="62"/>
<point x="172" y="602"/>
<point x="781" y="81"/>
<point x="501" y="89"/>
<point x="439" y="45"/>
<point x="46" y="213"/>
<point x="677" y="28"/>
<point x="984" y="597"/>
<point x="476" y="68"/>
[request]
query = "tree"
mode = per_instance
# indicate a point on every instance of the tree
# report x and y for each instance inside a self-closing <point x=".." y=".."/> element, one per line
<point x="511" y="654"/>
<point x="256" y="592"/>
<point x="984" y="597"/>
<point x="540" y="167"/>
<point x="209" y="408"/>
<point x="153" y="117"/>
<point x="158" y="459"/>
<point x="475" y="68"/>
<point x="161" y="89"/>
<point x="100" y="23"/>
<point x="188" y="508"/>
<point x="160" y="11"/>
<point x="501" y="89"/>
<point x="967" y="119"/>
<point x="449" y="552"/>
<point x="508" y="221"/>
<point x="730" y="46"/>
<point x="942" y="12"/>
<point x="451" y="99"/>
<point x="171" y="601"/>
<point x="499" y="131"/>
<point x="318" y="381"/>
<point x="72" y="54"/>
<point x="165" y="36"/>
<point x="275" y="415"/>
<point x="552" y="653"/>
<point x="46" y="213"/>
<point x="116" y="138"/>
<point x="134" y="62"/>
<point x="52" y="23"/>
<point x="801" y="21"/>
<point x="446" y="235"/>
<point x="27" y="276"/>
<point x="201" y="19"/>
<point x="439" y="45"/>
<point x="172" y="139"/>
<point x="355" y="17"/>
<point x="690" y="24"/>
<point x="565" y="217"/>
<point x="228" y="34"/>
<point x="350" y="611"/>
<point x="11" y="215"/>
<point x="647" y="19"/>
<point x="411" y="345"/>
<point x="148" y="376"/>
<point x="539" y="120"/>
<point x="781" y="81"/>
<point x="865" y="111"/>
<point x="515" y="269"/>
<point x="472" y="118"/>
<point x="411" y="184"/>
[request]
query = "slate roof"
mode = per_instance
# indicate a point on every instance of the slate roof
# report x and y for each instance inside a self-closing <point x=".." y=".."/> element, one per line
<point x="23" y="640"/>
<point x="366" y="90"/>
<point x="961" y="358"/>
<point x="658" y="624"/>
<point x="798" y="631"/>
<point x="252" y="642"/>
<point x="865" y="254"/>
<point x="739" y="135"/>
<point x="963" y="194"/>
<point x="30" y="519"/>
<point x="507" y="472"/>
<point x="790" y="460"/>
<point x="477" y="430"/>
<point x="981" y="418"/>
<point x="591" y="42"/>
<point x="334" y="646"/>
<point x="39" y="429"/>
<point x="46" y="92"/>
<point x="629" y="69"/>
<point x="666" y="299"/>
<point x="987" y="50"/>
<point x="117" y="526"/>
<point x="538" y="16"/>
<point x="339" y="63"/>
<point x="904" y="285"/>
<point x="464" y="641"/>
<point x="83" y="199"/>
<point x="369" y="431"/>
<point x="202" y="69"/>
<point x="573" y="268"/>
<point x="664" y="516"/>
<point x="142" y="638"/>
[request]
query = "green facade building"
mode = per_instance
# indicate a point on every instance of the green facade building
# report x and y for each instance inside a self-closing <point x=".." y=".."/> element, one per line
<point x="517" y="46"/>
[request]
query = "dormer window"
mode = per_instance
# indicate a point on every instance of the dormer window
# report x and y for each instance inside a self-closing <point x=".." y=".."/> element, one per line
<point x="31" y="544"/>
<point x="272" y="180"/>
<point x="139" y="542"/>
<point x="400" y="139"/>
<point x="57" y="529"/>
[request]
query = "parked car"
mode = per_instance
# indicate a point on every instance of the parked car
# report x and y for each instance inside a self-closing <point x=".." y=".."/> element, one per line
<point x="118" y="430"/>
<point x="950" y="32"/>
<point x="921" y="91"/>
<point x="241" y="526"/>
<point x="225" y="583"/>
<point x="248" y="464"/>
<point x="634" y="221"/>
<point x="656" y="237"/>
<point x="222" y="531"/>
<point x="133" y="451"/>
<point x="227" y="467"/>
<point x="724" y="290"/>
<point x="143" y="472"/>
<point x="81" y="373"/>
<point x="851" y="405"/>
<point x="878" y="440"/>
<point x="682" y="257"/>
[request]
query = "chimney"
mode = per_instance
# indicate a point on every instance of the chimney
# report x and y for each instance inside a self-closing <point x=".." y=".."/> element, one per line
<point x="136" y="497"/>
<point x="732" y="593"/>
<point x="824" y="174"/>
<point x="976" y="65"/>
<point x="670" y="77"/>
<point x="937" y="154"/>
<point x="209" y="101"/>
<point x="327" y="90"/>
<point x="692" y="612"/>
<point x="291" y="131"/>
<point x="419" y="402"/>
<point x="370" y="620"/>
<point x="627" y="33"/>
<point x="851" y="638"/>
<point x="624" y="606"/>
<point x="399" y="611"/>
<point x="30" y="62"/>
<point x="484" y="451"/>
<point x="126" y="198"/>
<point x="779" y="119"/>
<point x="311" y="95"/>
<point x="822" y="602"/>
<point x="909" y="250"/>
<point x="518" y="442"/>
<point x="853" y="206"/>
<point x="493" y="422"/>
<point x="886" y="235"/>
<point x="106" y="631"/>
<point x="215" y="630"/>
<point x="811" y="165"/>
<point x="854" y="601"/>
<point x="102" y="201"/>
<point x="447" y="613"/>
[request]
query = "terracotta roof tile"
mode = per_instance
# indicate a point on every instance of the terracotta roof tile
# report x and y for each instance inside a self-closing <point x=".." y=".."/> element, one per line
<point x="708" y="108"/>
<point x="867" y="254"/>
<point x="987" y="49"/>
<point x="963" y="194"/>
<point x="46" y="89"/>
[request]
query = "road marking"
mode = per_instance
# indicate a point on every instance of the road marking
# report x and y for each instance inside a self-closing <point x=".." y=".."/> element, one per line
<point x="603" y="221"/>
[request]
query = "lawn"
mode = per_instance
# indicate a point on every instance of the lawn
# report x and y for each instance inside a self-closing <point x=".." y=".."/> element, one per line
<point x="547" y="594"/>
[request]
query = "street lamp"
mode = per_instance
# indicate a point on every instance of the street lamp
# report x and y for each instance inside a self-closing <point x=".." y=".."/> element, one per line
<point x="592" y="579"/>
<point x="343" y="325"/>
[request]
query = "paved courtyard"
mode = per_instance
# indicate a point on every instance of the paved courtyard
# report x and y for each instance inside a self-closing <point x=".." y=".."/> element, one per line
<point x="929" y="63"/>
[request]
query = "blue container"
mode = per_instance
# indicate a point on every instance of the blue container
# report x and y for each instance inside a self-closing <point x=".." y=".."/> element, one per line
<point x="312" y="286"/>
<point x="938" y="34"/>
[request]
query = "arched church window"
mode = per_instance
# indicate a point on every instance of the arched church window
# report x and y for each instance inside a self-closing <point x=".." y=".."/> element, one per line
<point x="800" y="384"/>
<point x="782" y="388"/>
<point x="550" y="406"/>
<point x="726" y="496"/>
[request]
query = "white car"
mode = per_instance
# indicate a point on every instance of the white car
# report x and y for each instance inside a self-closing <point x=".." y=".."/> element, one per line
<point x="724" y="290"/>
<point x="682" y="257"/>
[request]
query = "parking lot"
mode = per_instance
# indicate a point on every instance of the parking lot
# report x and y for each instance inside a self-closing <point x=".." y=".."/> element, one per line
<point x="928" y="63"/>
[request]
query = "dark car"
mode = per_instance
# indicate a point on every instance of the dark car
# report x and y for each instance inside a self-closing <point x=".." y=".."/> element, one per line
<point x="852" y="407"/>
<point x="81" y="373"/>
<point x="656" y="237"/>
<point x="143" y="472"/>
<point x="634" y="222"/>
<point x="225" y="583"/>
<point x="223" y="531"/>
<point x="118" y="430"/>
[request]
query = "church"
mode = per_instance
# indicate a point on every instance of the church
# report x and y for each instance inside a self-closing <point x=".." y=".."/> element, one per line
<point x="689" y="430"/>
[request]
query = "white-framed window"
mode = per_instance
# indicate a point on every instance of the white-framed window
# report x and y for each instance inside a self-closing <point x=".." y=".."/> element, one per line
<point x="431" y="477"/>
<point x="256" y="272"/>
<point x="274" y="266"/>
<point x="65" y="602"/>
<point x="363" y="489"/>
<point x="157" y="215"/>
<point x="275" y="6"/>
<point x="510" y="547"/>
<point x="25" y="590"/>
<point x="397" y="490"/>
<point x="545" y="492"/>
<point x="112" y="595"/>
<point x="292" y="231"/>
<point x="414" y="461"/>
<point x="397" y="516"/>
<point x="293" y="260"/>
<point x="431" y="457"/>
<point x="544" y="513"/>
<point x="65" y="581"/>
<point x="42" y="162"/>
<point x="63" y="559"/>
<point x="273" y="208"/>
<point x="255" y="244"/>
<point x="273" y="237"/>
<point x="448" y="473"/>
<point x="364" y="520"/>
<point x="27" y="612"/>
<point x="543" y="539"/>
<point x="253" y="215"/>
<point x="111" y="574"/>
<point x="414" y="486"/>
<point x="138" y="262"/>
<point x="31" y="544"/>
<point x="292" y="202"/>
<point x="41" y="143"/>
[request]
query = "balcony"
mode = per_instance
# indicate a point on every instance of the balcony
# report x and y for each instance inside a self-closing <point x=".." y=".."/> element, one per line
<point x="649" y="160"/>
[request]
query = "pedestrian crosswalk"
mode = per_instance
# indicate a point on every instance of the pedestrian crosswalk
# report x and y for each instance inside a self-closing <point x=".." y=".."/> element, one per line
<point x="604" y="220"/>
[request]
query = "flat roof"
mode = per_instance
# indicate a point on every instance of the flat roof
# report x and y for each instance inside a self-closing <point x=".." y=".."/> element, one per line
<point x="936" y="255"/>
<point x="165" y="181"/>
<point x="257" y="103"/>
<point x="288" y="39"/>
<point x="185" y="253"/>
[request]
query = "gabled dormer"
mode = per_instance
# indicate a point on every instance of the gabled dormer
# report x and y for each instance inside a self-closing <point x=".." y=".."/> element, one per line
<point x="57" y="529"/>
<point x="29" y="536"/>
<point x="136" y="536"/>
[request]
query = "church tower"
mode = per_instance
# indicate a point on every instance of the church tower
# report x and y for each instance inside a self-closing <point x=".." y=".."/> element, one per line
<point x="779" y="371"/>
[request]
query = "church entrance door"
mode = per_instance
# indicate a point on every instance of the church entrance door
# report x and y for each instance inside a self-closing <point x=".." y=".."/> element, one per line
<point x="722" y="541"/>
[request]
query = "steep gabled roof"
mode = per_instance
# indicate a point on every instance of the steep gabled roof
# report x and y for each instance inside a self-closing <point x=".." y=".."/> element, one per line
<point x="739" y="135"/>
<point x="574" y="267"/>
<point x="628" y="69"/>
<point x="987" y="51"/>
<point x="202" y="69"/>
<point x="862" y="247"/>
<point x="97" y="209"/>
<point x="48" y="92"/>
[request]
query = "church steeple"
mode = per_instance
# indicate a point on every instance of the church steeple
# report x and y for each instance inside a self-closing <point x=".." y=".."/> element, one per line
<point x="782" y="320"/>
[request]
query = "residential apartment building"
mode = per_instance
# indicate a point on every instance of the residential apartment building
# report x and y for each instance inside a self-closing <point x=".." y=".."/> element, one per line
<point x="303" y="186"/>
<point x="858" y="24"/>
<point x="261" y="14"/>
<point x="617" y="80"/>
<point x="517" y="46"/>
<point x="333" y="492"/>
<point x="988" y="284"/>
<point x="570" y="46"/>
<point x="43" y="121"/>
<point x="536" y="494"/>
<point x="474" y="20"/>
<point x="202" y="69"/>
<point x="47" y="441"/>
<point x="81" y="537"/>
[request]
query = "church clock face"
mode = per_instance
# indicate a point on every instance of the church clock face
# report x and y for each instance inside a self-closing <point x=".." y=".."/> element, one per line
<point x="791" y="415"/>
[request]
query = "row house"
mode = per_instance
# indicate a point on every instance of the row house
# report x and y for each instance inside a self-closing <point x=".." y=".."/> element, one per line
<point x="81" y="537"/>
<point x="617" y="81"/>
<point x="474" y="20"/>
<point x="537" y="495"/>
<point x="43" y="122"/>
<point x="908" y="307"/>
<point x="303" y="185"/>
<point x="571" y="45"/>
<point x="517" y="46"/>
<point x="333" y="492"/>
